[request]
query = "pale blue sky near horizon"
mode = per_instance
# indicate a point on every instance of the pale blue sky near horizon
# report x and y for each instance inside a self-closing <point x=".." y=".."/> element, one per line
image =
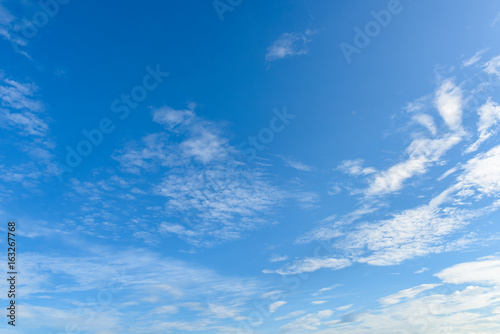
<point x="243" y="173"/>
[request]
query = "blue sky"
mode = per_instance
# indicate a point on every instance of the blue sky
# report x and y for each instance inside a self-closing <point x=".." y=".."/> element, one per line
<point x="252" y="166"/>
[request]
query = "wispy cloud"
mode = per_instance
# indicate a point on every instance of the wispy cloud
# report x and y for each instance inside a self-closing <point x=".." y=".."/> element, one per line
<point x="489" y="119"/>
<point x="328" y="288"/>
<point x="23" y="115"/>
<point x="278" y="259"/>
<point x="308" y="322"/>
<point x="312" y="264"/>
<point x="420" y="271"/>
<point x="437" y="308"/>
<point x="274" y="306"/>
<point x="427" y="121"/>
<point x="406" y="294"/>
<point x="296" y="164"/>
<point x="493" y="66"/>
<point x="289" y="44"/>
<point x="152" y="281"/>
<point x="475" y="58"/>
<point x="423" y="153"/>
<point x="355" y="168"/>
<point x="434" y="226"/>
<point x="483" y="271"/>
<point x="290" y="315"/>
<point x="449" y="104"/>
<point x="210" y="195"/>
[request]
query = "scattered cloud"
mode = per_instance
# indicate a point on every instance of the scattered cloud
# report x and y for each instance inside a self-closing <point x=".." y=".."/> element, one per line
<point x="345" y="307"/>
<point x="437" y="308"/>
<point x="482" y="173"/>
<point x="319" y="302"/>
<point x="312" y="264"/>
<point x="495" y="20"/>
<point x="288" y="45"/>
<point x="23" y="116"/>
<point x="328" y="288"/>
<point x="278" y="259"/>
<point x="483" y="271"/>
<point x="449" y="104"/>
<point x="218" y="202"/>
<point x="132" y="274"/>
<point x="296" y="164"/>
<point x="406" y="294"/>
<point x="423" y="153"/>
<point x="475" y="58"/>
<point x="276" y="305"/>
<point x="493" y="66"/>
<point x="426" y="121"/>
<point x="290" y="315"/>
<point x="355" y="168"/>
<point x="311" y="321"/>
<point x="489" y="119"/>
<point x="423" y="270"/>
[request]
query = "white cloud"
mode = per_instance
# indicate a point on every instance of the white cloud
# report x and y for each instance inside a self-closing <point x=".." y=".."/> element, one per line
<point x="423" y="270"/>
<point x="406" y="294"/>
<point x="483" y="172"/>
<point x="23" y="115"/>
<point x="9" y="28"/>
<point x="344" y="308"/>
<point x="311" y="321"/>
<point x="296" y="164"/>
<point x="42" y="317"/>
<point x="423" y="152"/>
<point x="200" y="143"/>
<point x="278" y="259"/>
<point x="175" y="229"/>
<point x="482" y="271"/>
<point x="6" y="18"/>
<point x="205" y="147"/>
<point x="427" y="121"/>
<point x="436" y="308"/>
<point x="412" y="233"/>
<point x="475" y="58"/>
<point x="495" y="20"/>
<point x="328" y="288"/>
<point x="168" y="309"/>
<point x="132" y="274"/>
<point x="312" y="264"/>
<point x="355" y="167"/>
<point x="449" y="104"/>
<point x="489" y="119"/>
<point x="319" y="302"/>
<point x="288" y="45"/>
<point x="409" y="234"/>
<point x="276" y="305"/>
<point x="154" y="151"/>
<point x="224" y="312"/>
<point x="493" y="66"/>
<point x="290" y="315"/>
<point x="170" y="118"/>
<point x="219" y="202"/>
<point x="333" y="231"/>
